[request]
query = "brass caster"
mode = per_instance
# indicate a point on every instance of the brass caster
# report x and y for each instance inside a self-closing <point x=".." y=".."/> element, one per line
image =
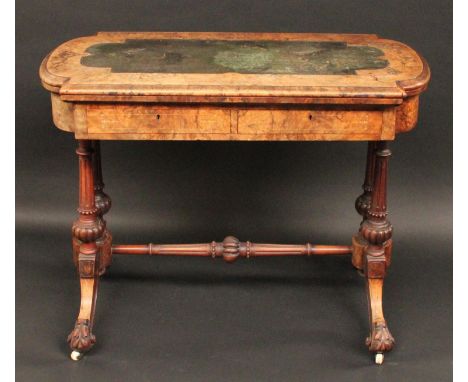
<point x="379" y="358"/>
<point x="76" y="355"/>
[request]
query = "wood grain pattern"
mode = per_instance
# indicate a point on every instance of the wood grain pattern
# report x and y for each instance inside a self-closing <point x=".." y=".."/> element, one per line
<point x="63" y="73"/>
<point x="130" y="121"/>
<point x="234" y="100"/>
<point x="97" y="103"/>
<point x="157" y="119"/>
<point x="407" y="114"/>
<point x="275" y="121"/>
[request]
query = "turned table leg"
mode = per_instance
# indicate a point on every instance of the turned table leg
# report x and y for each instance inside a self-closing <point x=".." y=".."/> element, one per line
<point x="103" y="203"/>
<point x="86" y="230"/>
<point x="376" y="230"/>
<point x="363" y="204"/>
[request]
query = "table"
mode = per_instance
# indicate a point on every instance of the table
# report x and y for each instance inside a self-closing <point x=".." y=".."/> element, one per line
<point x="233" y="86"/>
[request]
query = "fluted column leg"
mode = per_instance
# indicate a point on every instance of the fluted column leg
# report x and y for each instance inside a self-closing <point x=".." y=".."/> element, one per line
<point x="376" y="230"/>
<point x="86" y="230"/>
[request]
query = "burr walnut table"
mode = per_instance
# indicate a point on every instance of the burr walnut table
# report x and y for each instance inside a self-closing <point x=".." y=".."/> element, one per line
<point x="233" y="86"/>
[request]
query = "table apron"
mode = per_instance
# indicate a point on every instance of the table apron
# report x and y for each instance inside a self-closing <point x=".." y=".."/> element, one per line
<point x="126" y="121"/>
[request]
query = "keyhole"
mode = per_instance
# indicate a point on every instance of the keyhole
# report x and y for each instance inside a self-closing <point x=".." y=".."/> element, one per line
<point x="310" y="117"/>
<point x="158" y="116"/>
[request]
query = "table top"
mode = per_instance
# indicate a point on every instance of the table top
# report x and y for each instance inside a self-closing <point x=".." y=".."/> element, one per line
<point x="226" y="67"/>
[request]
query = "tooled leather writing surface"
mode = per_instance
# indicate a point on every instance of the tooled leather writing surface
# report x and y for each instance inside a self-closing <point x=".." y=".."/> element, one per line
<point x="224" y="56"/>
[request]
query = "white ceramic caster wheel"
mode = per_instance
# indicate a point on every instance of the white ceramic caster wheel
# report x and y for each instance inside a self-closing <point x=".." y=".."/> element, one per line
<point x="76" y="355"/>
<point x="379" y="357"/>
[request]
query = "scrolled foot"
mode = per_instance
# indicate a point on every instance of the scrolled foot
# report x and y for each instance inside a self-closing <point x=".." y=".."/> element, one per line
<point x="380" y="340"/>
<point x="80" y="339"/>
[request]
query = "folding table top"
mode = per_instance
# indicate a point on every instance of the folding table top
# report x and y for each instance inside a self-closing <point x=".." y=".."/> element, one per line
<point x="240" y="67"/>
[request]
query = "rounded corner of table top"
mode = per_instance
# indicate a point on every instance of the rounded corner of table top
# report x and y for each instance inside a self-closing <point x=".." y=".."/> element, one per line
<point x="418" y="84"/>
<point x="51" y="78"/>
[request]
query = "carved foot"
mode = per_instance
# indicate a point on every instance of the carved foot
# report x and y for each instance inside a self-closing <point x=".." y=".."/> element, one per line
<point x="380" y="340"/>
<point x="81" y="339"/>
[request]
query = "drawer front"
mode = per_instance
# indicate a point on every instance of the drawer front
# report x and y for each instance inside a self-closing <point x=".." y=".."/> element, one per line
<point x="349" y="122"/>
<point x="109" y="119"/>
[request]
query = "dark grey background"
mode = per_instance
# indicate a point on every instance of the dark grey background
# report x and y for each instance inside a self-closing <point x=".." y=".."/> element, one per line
<point x="181" y="319"/>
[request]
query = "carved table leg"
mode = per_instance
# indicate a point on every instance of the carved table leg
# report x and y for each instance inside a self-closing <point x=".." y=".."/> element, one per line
<point x="103" y="203"/>
<point x="376" y="230"/>
<point x="87" y="230"/>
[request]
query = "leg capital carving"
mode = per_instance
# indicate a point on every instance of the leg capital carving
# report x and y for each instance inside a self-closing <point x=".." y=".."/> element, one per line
<point x="376" y="232"/>
<point x="88" y="231"/>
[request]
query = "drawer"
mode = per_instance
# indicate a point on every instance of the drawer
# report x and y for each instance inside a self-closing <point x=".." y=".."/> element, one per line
<point x="108" y="119"/>
<point x="342" y="122"/>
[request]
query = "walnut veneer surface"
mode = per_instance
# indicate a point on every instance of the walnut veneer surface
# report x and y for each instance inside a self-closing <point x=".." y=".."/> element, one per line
<point x="234" y="86"/>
